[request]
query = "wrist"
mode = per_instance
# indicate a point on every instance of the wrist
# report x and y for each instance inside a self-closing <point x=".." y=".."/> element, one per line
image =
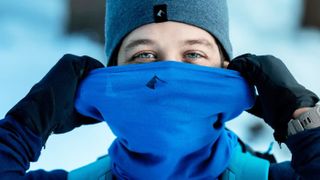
<point x="300" y="111"/>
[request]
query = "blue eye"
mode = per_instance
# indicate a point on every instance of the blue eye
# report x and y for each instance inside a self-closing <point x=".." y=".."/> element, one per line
<point x="143" y="57"/>
<point x="193" y="55"/>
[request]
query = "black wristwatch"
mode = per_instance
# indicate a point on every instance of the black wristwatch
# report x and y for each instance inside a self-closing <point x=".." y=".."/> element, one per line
<point x="307" y="120"/>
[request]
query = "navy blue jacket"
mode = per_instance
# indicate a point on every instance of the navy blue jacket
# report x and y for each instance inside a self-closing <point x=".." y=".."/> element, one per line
<point x="19" y="146"/>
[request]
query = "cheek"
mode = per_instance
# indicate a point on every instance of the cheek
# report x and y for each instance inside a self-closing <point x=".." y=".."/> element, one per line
<point x="214" y="60"/>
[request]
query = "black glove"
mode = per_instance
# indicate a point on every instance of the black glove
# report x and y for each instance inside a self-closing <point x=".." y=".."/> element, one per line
<point x="279" y="93"/>
<point x="49" y="106"/>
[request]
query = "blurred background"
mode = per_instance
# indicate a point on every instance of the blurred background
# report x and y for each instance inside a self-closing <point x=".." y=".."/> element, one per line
<point x="34" y="35"/>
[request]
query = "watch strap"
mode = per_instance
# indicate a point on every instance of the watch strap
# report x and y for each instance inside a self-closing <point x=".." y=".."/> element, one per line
<point x="307" y="120"/>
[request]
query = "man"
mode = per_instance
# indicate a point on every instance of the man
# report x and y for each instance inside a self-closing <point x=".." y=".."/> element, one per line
<point x="144" y="102"/>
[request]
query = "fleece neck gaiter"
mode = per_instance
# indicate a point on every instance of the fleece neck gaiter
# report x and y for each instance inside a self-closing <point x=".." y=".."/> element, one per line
<point x="168" y="117"/>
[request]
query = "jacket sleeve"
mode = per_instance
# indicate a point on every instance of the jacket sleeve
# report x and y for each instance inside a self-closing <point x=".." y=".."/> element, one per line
<point x="18" y="147"/>
<point x="305" y="162"/>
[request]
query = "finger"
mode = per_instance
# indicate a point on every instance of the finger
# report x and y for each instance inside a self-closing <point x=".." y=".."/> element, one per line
<point x="81" y="119"/>
<point x="92" y="63"/>
<point x="88" y="64"/>
<point x="249" y="67"/>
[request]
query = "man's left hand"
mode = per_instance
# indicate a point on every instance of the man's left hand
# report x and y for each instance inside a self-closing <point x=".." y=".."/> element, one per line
<point x="280" y="97"/>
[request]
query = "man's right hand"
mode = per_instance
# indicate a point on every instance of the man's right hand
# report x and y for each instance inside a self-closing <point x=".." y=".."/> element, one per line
<point x="49" y="106"/>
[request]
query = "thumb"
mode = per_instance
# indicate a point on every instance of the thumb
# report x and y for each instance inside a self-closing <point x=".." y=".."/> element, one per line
<point x="84" y="120"/>
<point x="89" y="64"/>
<point x="247" y="70"/>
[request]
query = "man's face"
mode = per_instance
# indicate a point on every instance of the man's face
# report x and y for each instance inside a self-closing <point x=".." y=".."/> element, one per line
<point x="170" y="41"/>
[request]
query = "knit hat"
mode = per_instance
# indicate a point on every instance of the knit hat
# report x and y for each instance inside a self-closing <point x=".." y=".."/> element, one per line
<point x="124" y="16"/>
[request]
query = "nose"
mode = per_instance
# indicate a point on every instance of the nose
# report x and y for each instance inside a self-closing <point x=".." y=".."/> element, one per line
<point x="173" y="59"/>
<point x="172" y="56"/>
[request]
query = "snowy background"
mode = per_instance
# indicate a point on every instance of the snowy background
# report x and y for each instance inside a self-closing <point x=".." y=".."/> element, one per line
<point x="32" y="40"/>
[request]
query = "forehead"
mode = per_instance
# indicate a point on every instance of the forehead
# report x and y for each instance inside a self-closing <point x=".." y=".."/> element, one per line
<point x="168" y="30"/>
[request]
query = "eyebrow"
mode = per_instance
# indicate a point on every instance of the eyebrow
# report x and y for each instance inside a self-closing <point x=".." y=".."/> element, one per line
<point x="198" y="42"/>
<point x="138" y="42"/>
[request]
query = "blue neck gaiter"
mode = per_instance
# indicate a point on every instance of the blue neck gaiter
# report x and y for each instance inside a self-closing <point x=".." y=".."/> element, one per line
<point x="168" y="117"/>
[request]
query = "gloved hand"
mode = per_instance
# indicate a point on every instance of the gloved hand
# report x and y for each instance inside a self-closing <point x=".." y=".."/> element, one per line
<point x="49" y="106"/>
<point x="279" y="93"/>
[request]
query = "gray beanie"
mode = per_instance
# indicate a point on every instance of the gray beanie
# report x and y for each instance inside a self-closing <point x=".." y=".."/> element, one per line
<point x="124" y="16"/>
